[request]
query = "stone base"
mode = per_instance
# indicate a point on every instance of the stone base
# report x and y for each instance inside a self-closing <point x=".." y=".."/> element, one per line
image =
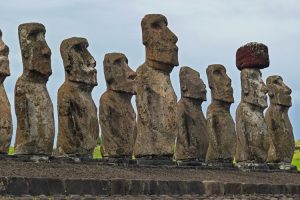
<point x="26" y="158"/>
<point x="155" y="161"/>
<point x="220" y="165"/>
<point x="191" y="163"/>
<point x="125" y="161"/>
<point x="251" y="166"/>
<point x="282" y="166"/>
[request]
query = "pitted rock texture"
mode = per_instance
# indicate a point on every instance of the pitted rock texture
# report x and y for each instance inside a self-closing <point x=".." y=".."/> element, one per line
<point x="34" y="109"/>
<point x="6" y="129"/>
<point x="78" y="127"/>
<point x="220" y="125"/>
<point x="251" y="128"/>
<point x="252" y="55"/>
<point x="192" y="138"/>
<point x="156" y="99"/>
<point x="280" y="129"/>
<point x="116" y="114"/>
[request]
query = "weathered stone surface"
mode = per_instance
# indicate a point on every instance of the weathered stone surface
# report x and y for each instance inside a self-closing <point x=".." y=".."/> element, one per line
<point x="34" y="109"/>
<point x="192" y="138"/>
<point x="280" y="130"/>
<point x="221" y="127"/>
<point x="78" y="127"/>
<point x="252" y="138"/>
<point x="6" y="130"/>
<point x="156" y="99"/>
<point x="116" y="114"/>
<point x="252" y="55"/>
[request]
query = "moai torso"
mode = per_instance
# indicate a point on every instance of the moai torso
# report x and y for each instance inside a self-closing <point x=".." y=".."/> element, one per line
<point x="78" y="122"/>
<point x="116" y="114"/>
<point x="78" y="127"/>
<point x="34" y="109"/>
<point x="157" y="117"/>
<point x="252" y="143"/>
<point x="220" y="125"/>
<point x="192" y="138"/>
<point x="252" y="138"/>
<point x="5" y="112"/>
<point x="156" y="99"/>
<point x="222" y="136"/>
<point x="280" y="130"/>
<point x="118" y="124"/>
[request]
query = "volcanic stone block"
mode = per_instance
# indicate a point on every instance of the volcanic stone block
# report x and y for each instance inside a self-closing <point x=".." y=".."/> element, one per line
<point x="220" y="125"/>
<point x="6" y="130"/>
<point x="87" y="186"/>
<point x="280" y="130"/>
<point x="195" y="188"/>
<point x="264" y="189"/>
<point x="252" y="55"/>
<point x="17" y="186"/>
<point x="34" y="109"/>
<point x="38" y="186"/>
<point x="292" y="189"/>
<point x="232" y="188"/>
<point x="119" y="187"/>
<point x="213" y="188"/>
<point x="156" y="99"/>
<point x="116" y="114"/>
<point x="249" y="188"/>
<point x="78" y="127"/>
<point x="253" y="141"/>
<point x="192" y="138"/>
<point x="3" y="185"/>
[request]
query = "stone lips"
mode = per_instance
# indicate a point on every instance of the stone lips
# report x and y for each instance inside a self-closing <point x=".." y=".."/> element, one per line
<point x="252" y="55"/>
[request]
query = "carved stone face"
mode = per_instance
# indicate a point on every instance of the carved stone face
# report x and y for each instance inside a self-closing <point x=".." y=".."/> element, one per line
<point x="219" y="83"/>
<point x="254" y="89"/>
<point x="160" y="42"/>
<point x="279" y="92"/>
<point x="118" y="75"/>
<point x="191" y="84"/>
<point x="4" y="62"/>
<point x="36" y="54"/>
<point x="79" y="63"/>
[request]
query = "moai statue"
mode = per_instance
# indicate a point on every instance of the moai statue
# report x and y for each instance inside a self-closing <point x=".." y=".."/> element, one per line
<point x="34" y="109"/>
<point x="192" y="138"/>
<point x="280" y="130"/>
<point x="251" y="128"/>
<point x="156" y="99"/>
<point x="116" y="114"/>
<point x="220" y="125"/>
<point x="78" y="127"/>
<point x="5" y="119"/>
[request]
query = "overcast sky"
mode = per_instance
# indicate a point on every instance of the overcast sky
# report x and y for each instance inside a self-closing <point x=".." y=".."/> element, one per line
<point x="209" y="32"/>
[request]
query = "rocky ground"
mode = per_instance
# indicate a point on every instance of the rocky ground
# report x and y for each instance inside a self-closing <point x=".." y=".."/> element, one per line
<point x="94" y="171"/>
<point x="163" y="197"/>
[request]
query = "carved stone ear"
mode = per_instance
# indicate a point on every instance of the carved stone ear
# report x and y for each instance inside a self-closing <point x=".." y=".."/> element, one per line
<point x="184" y="88"/>
<point x="270" y="92"/>
<point x="245" y="84"/>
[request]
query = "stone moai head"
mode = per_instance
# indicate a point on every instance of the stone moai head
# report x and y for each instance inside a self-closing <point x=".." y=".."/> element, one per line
<point x="78" y="62"/>
<point x="279" y="92"/>
<point x="254" y="90"/>
<point x="160" y="42"/>
<point x="36" y="54"/>
<point x="219" y="83"/>
<point x="118" y="75"/>
<point x="4" y="62"/>
<point x="250" y="58"/>
<point x="192" y="86"/>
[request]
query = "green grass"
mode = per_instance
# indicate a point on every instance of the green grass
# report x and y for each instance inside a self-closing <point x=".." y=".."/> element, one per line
<point x="296" y="159"/>
<point x="11" y="151"/>
<point x="97" y="152"/>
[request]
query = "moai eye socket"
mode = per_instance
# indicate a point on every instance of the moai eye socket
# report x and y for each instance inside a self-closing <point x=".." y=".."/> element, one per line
<point x="33" y="36"/>
<point x="117" y="61"/>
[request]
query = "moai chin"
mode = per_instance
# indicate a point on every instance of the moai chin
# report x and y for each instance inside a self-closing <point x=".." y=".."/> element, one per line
<point x="221" y="127"/>
<point x="116" y="114"/>
<point x="156" y="99"/>
<point x="280" y="130"/>
<point x="252" y="138"/>
<point x="5" y="112"/>
<point x="78" y="127"/>
<point x="192" y="138"/>
<point x="34" y="109"/>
